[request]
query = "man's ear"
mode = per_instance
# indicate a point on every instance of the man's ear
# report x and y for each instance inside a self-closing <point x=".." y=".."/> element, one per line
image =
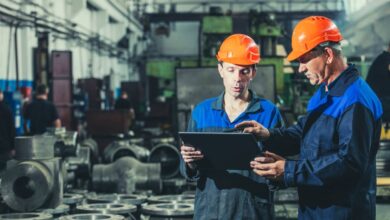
<point x="253" y="73"/>
<point x="329" y="55"/>
<point x="220" y="70"/>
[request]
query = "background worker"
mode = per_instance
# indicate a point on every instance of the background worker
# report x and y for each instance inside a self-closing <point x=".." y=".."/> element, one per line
<point x="7" y="132"/>
<point x="41" y="113"/>
<point x="337" y="139"/>
<point x="378" y="78"/>
<point x="231" y="194"/>
<point x="123" y="102"/>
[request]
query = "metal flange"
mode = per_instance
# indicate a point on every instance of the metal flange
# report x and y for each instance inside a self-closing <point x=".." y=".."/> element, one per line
<point x="26" y="216"/>
<point x="59" y="210"/>
<point x="109" y="208"/>
<point x="130" y="199"/>
<point x="186" y="198"/>
<point x="92" y="217"/>
<point x="168" y="209"/>
<point x="72" y="198"/>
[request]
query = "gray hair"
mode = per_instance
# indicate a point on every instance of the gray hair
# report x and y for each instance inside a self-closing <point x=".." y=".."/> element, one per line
<point x="335" y="46"/>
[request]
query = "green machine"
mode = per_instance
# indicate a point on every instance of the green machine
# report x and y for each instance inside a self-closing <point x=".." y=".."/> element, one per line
<point x="214" y="30"/>
<point x="162" y="71"/>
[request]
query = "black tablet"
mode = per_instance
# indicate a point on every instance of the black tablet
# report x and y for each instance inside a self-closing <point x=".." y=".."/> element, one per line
<point x="223" y="150"/>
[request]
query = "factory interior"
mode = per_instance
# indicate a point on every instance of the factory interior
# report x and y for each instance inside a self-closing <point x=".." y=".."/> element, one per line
<point x="123" y="78"/>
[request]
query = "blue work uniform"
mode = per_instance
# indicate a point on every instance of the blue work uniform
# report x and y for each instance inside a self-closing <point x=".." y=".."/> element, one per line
<point x="231" y="194"/>
<point x="337" y="140"/>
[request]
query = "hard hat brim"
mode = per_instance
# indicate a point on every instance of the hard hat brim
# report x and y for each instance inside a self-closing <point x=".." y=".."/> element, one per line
<point x="293" y="55"/>
<point x="238" y="61"/>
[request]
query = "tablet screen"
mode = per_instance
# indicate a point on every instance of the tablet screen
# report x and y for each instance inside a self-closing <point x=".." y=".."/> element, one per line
<point x="223" y="151"/>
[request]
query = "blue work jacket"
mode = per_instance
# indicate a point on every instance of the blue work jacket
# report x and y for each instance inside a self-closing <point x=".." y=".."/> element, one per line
<point x="231" y="194"/>
<point x="337" y="140"/>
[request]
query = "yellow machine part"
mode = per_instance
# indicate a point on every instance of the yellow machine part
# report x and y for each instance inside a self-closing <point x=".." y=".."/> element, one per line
<point x="385" y="134"/>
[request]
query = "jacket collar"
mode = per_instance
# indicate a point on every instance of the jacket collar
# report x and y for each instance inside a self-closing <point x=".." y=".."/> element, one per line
<point x="346" y="78"/>
<point x="253" y="106"/>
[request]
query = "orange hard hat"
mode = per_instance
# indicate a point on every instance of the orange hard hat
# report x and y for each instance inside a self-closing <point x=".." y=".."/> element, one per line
<point x="239" y="49"/>
<point x="310" y="32"/>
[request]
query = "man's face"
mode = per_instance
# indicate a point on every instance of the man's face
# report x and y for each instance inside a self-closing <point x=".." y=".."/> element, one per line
<point x="236" y="78"/>
<point x="1" y="96"/>
<point x="312" y="64"/>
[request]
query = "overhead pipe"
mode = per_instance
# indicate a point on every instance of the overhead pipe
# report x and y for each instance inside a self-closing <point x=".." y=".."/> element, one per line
<point x="68" y="31"/>
<point x="16" y="55"/>
<point x="9" y="56"/>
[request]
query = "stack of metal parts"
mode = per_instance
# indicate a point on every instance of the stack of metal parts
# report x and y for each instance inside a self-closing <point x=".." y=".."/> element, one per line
<point x="57" y="212"/>
<point x="72" y="200"/>
<point x="66" y="144"/>
<point x="169" y="207"/>
<point x="92" y="217"/>
<point x="183" y="198"/>
<point x="26" y="216"/>
<point x="108" y="208"/>
<point x="128" y="199"/>
<point x="126" y="175"/>
<point x="33" y="180"/>
<point x="383" y="159"/>
<point x="118" y="149"/>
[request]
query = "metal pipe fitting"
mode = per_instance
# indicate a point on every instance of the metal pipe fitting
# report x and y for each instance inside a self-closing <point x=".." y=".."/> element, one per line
<point x="29" y="185"/>
<point x="39" y="147"/>
<point x="125" y="176"/>
<point x="118" y="149"/>
<point x="169" y="157"/>
<point x="93" y="147"/>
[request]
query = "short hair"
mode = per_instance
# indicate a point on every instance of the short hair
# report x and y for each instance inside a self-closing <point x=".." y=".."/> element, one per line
<point x="41" y="89"/>
<point x="334" y="46"/>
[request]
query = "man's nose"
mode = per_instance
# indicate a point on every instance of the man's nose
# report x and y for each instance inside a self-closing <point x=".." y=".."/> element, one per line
<point x="237" y="75"/>
<point x="302" y="68"/>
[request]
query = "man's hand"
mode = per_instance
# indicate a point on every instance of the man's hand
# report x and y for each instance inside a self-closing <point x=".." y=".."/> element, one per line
<point x="271" y="166"/>
<point x="190" y="155"/>
<point x="255" y="128"/>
